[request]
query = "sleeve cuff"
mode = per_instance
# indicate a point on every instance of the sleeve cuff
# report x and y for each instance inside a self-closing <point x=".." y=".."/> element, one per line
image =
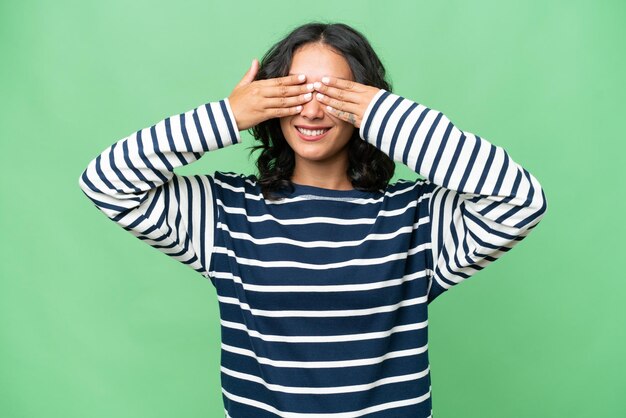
<point x="365" y="122"/>
<point x="231" y="116"/>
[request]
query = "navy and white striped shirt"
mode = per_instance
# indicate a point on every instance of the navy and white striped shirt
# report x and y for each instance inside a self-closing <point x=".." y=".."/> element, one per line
<point x="323" y="294"/>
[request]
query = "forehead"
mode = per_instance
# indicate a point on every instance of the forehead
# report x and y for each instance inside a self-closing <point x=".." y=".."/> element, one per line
<point x="318" y="60"/>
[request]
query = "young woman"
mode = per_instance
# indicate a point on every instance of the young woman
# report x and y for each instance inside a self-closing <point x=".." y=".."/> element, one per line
<point x="323" y="270"/>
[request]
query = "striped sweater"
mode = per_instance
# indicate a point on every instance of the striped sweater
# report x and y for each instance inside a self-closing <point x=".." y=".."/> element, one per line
<point x="323" y="294"/>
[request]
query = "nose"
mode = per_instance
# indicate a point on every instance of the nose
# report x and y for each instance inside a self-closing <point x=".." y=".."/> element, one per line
<point x="312" y="109"/>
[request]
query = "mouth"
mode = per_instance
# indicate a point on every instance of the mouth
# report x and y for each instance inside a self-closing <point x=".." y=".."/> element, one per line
<point x="312" y="133"/>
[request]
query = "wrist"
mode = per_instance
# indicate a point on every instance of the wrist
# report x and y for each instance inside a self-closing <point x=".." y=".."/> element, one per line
<point x="370" y="113"/>
<point x="233" y="117"/>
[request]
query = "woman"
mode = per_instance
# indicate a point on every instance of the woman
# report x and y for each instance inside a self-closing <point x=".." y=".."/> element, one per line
<point x="323" y="270"/>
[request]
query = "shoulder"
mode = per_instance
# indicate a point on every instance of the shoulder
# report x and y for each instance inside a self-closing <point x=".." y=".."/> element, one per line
<point x="410" y="187"/>
<point x="236" y="182"/>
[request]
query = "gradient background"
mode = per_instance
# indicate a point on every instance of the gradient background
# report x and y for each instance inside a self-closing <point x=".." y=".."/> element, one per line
<point x="95" y="323"/>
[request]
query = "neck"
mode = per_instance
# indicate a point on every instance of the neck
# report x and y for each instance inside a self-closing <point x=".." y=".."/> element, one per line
<point x="327" y="175"/>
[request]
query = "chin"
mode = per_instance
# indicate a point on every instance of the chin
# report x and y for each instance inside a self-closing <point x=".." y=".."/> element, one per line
<point x="312" y="156"/>
<point x="320" y="153"/>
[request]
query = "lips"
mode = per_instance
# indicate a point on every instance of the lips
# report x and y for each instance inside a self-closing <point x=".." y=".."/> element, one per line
<point x="312" y="133"/>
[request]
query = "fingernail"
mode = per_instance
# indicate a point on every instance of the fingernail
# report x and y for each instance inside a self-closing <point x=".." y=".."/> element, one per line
<point x="301" y="77"/>
<point x="309" y="86"/>
<point x="308" y="96"/>
<point x="317" y="84"/>
<point x="320" y="96"/>
<point x="329" y="108"/>
<point x="299" y="108"/>
<point x="325" y="80"/>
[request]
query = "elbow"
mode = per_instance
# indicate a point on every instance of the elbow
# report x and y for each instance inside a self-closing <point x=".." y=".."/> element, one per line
<point x="89" y="190"/>
<point x="81" y="181"/>
<point x="86" y="185"/>
<point x="536" y="204"/>
<point x="530" y="210"/>
<point x="539" y="204"/>
<point x="535" y="210"/>
<point x="543" y="207"/>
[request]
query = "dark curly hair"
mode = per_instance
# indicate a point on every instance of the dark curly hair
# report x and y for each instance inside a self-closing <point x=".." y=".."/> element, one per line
<point x="368" y="168"/>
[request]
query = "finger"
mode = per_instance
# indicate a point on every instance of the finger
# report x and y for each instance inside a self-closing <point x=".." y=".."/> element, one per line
<point x="341" y="83"/>
<point x="286" y="91"/>
<point x="339" y="94"/>
<point x="337" y="104"/>
<point x="343" y="115"/>
<point x="280" y="112"/>
<point x="289" y="80"/>
<point x="288" y="101"/>
<point x="250" y="74"/>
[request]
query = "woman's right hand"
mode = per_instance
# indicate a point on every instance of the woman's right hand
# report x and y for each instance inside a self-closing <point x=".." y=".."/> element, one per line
<point x="253" y="102"/>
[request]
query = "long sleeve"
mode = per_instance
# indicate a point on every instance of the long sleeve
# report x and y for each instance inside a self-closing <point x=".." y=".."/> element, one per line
<point x="133" y="183"/>
<point x="482" y="203"/>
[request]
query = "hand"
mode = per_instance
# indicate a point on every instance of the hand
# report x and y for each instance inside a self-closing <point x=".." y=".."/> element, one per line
<point x="346" y="99"/>
<point x="253" y="102"/>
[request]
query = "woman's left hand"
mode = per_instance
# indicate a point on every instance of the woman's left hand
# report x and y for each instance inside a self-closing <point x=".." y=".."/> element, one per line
<point x="345" y="99"/>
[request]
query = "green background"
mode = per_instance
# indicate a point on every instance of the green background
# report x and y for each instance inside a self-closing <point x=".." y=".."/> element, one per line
<point x="95" y="323"/>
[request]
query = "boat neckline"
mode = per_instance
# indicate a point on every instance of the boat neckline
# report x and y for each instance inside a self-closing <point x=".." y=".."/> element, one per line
<point x="302" y="189"/>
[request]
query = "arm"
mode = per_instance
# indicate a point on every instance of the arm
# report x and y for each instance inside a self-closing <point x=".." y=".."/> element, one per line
<point x="482" y="203"/>
<point x="133" y="183"/>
